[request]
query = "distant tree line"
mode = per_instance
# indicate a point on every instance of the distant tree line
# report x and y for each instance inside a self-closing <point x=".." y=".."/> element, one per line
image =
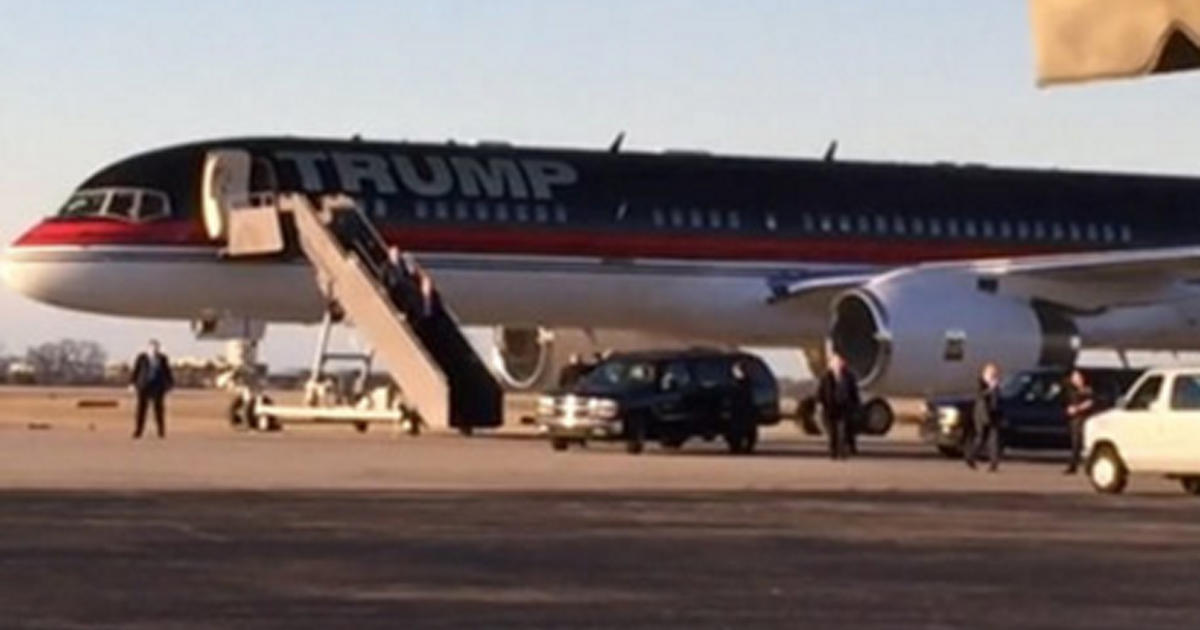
<point x="63" y="362"/>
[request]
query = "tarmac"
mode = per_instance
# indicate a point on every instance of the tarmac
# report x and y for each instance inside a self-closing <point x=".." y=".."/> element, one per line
<point x="320" y="527"/>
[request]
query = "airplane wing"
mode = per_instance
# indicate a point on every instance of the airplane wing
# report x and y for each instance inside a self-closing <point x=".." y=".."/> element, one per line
<point x="1081" y="281"/>
<point x="816" y="294"/>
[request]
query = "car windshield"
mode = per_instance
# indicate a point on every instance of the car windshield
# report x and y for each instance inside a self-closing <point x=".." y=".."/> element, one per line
<point x="1032" y="387"/>
<point x="619" y="375"/>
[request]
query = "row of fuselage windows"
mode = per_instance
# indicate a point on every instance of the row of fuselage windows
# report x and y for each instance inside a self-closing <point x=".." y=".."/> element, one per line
<point x="867" y="225"/>
<point x="880" y="225"/>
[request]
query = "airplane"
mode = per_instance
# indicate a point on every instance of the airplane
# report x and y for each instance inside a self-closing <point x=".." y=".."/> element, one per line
<point x="917" y="274"/>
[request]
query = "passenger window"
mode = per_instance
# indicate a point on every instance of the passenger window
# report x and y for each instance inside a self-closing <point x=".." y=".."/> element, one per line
<point x="713" y="373"/>
<point x="1005" y="230"/>
<point x="773" y="224"/>
<point x="1110" y="234"/>
<point x="844" y="223"/>
<point x="988" y="232"/>
<point x="676" y="217"/>
<point x="1126" y="234"/>
<point x="918" y="226"/>
<point x="898" y="225"/>
<point x="560" y="214"/>
<point x="675" y="377"/>
<point x="421" y="210"/>
<point x="714" y="219"/>
<point x="969" y="228"/>
<point x="502" y="212"/>
<point x="657" y="217"/>
<point x="120" y="205"/>
<point x="153" y="206"/>
<point x="1185" y="392"/>
<point x="481" y="211"/>
<point x="735" y="220"/>
<point x="1039" y="230"/>
<point x="864" y="224"/>
<point x="952" y="228"/>
<point x="826" y="223"/>
<point x="1093" y="233"/>
<point x="461" y="211"/>
<point x="442" y="209"/>
<point x="543" y="215"/>
<point x="1145" y="395"/>
<point x="807" y="221"/>
<point x="881" y="224"/>
<point x="935" y="227"/>
<point x="1022" y="230"/>
<point x="1075" y="232"/>
<point x="697" y="219"/>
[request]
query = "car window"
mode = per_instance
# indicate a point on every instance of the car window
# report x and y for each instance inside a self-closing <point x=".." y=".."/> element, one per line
<point x="615" y="375"/>
<point x="1145" y="395"/>
<point x="713" y="373"/>
<point x="1185" y="392"/>
<point x="675" y="377"/>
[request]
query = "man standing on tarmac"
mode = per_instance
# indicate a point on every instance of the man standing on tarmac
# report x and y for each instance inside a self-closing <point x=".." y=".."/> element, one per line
<point x="838" y="394"/>
<point x="1081" y="402"/>
<point x="987" y="418"/>
<point x="151" y="380"/>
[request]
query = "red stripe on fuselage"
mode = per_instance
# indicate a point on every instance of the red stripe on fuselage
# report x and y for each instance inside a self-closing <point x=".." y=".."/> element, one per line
<point x="114" y="232"/>
<point x="534" y="241"/>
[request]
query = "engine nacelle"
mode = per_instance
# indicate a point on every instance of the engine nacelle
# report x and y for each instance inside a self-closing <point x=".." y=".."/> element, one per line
<point x="925" y="333"/>
<point x="530" y="358"/>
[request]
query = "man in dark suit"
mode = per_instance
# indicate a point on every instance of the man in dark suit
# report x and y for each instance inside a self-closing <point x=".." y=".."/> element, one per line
<point x="151" y="380"/>
<point x="838" y="394"/>
<point x="988" y="419"/>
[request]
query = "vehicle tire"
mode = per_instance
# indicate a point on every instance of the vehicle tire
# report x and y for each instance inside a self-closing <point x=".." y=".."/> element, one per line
<point x="1106" y="471"/>
<point x="361" y="426"/>
<point x="559" y="444"/>
<point x="635" y="436"/>
<point x="268" y="424"/>
<point x="466" y="431"/>
<point x="237" y="414"/>
<point x="742" y="439"/>
<point x="1191" y="485"/>
<point x="877" y="417"/>
<point x="950" y="452"/>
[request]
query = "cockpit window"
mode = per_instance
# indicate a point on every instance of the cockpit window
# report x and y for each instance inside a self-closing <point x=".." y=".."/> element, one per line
<point x="124" y="204"/>
<point x="154" y="206"/>
<point x="84" y="204"/>
<point x="121" y="204"/>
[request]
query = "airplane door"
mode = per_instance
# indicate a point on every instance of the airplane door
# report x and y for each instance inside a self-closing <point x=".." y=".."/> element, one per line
<point x="235" y="210"/>
<point x="226" y="185"/>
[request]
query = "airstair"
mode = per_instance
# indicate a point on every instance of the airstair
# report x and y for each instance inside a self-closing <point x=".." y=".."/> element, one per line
<point x="411" y="330"/>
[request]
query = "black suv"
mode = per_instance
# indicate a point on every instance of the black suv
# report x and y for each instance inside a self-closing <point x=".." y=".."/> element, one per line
<point x="667" y="397"/>
<point x="1033" y="404"/>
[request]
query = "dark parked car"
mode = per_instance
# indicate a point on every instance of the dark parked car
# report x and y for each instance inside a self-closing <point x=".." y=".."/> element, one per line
<point x="666" y="397"/>
<point x="1033" y="405"/>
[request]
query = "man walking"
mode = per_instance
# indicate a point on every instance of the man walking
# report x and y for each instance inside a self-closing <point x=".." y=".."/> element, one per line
<point x="151" y="380"/>
<point x="987" y="418"/>
<point x="1081" y="402"/>
<point x="838" y="395"/>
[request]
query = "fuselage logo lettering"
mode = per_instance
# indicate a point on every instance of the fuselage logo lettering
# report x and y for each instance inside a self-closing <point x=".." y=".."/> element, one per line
<point x="430" y="175"/>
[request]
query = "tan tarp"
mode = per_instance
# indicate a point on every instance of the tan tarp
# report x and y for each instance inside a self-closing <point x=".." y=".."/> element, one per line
<point x="1082" y="40"/>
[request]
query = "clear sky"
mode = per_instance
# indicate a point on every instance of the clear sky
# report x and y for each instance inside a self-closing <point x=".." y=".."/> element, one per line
<point x="86" y="83"/>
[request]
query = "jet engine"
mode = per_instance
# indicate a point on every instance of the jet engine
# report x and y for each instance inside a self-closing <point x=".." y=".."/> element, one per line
<point x="923" y="333"/>
<point x="530" y="358"/>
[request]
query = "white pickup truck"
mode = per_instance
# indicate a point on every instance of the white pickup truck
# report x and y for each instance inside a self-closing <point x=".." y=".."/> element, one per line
<point x="1155" y="428"/>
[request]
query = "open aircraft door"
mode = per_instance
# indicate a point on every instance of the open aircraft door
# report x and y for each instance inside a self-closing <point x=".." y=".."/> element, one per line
<point x="229" y="199"/>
